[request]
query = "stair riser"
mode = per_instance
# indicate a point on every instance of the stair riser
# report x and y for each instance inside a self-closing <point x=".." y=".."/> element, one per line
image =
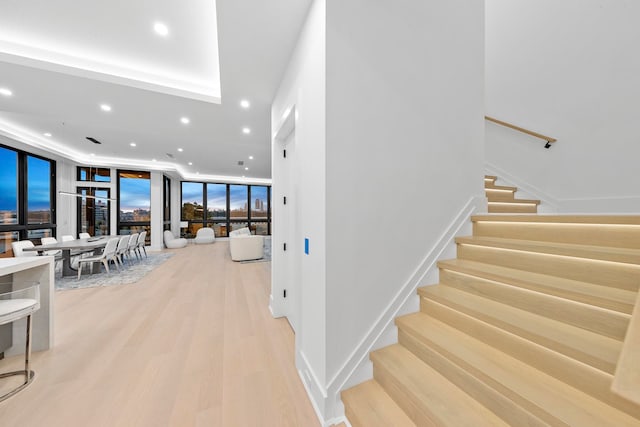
<point x="619" y="236"/>
<point x="591" y="380"/>
<point x="623" y="276"/>
<point x="445" y="311"/>
<point x="500" y="196"/>
<point x="410" y="404"/>
<point x="604" y="322"/>
<point x="512" y="208"/>
<point x="475" y="384"/>
<point x="588" y="296"/>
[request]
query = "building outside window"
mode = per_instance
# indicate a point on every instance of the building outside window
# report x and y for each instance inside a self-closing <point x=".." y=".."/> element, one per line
<point x="134" y="202"/>
<point x="226" y="207"/>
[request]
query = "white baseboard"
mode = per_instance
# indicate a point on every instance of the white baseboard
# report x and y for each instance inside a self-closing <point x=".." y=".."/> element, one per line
<point x="357" y="367"/>
<point x="552" y="204"/>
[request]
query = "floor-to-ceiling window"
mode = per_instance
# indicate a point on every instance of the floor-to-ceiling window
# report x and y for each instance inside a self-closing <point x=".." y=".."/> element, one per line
<point x="93" y="211"/>
<point x="27" y="197"/>
<point x="94" y="207"/>
<point x="259" y="209"/>
<point x="217" y="208"/>
<point x="226" y="207"/>
<point x="192" y="206"/>
<point x="166" y="203"/>
<point x="238" y="206"/>
<point x="134" y="202"/>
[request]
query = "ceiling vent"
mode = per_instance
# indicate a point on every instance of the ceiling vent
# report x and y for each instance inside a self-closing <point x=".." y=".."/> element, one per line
<point x="240" y="162"/>
<point x="95" y="141"/>
<point x="169" y="155"/>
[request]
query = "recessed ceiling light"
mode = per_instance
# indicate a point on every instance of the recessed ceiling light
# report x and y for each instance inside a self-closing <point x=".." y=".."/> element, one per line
<point x="6" y="92"/>
<point x="93" y="154"/>
<point x="105" y="107"/>
<point x="250" y="157"/>
<point x="243" y="176"/>
<point x="153" y="160"/>
<point x="161" y="29"/>
<point x="246" y="131"/>
<point x="47" y="134"/>
<point x="133" y="144"/>
<point x="180" y="150"/>
<point x="245" y="104"/>
<point x="246" y="169"/>
<point x="185" y="120"/>
<point x="197" y="173"/>
<point x="190" y="163"/>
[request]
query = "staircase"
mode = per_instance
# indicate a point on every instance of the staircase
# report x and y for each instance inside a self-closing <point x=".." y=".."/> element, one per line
<point x="502" y="198"/>
<point x="524" y="328"/>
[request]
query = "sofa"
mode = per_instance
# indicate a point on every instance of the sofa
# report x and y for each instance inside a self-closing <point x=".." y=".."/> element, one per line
<point x="204" y="236"/>
<point x="244" y="246"/>
<point x="171" y="242"/>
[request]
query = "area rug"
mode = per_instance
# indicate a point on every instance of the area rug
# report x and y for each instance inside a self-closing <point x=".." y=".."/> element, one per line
<point x="267" y="253"/>
<point x="130" y="273"/>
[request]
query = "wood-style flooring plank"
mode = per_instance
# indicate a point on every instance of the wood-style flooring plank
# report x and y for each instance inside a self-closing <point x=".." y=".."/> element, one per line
<point x="190" y="344"/>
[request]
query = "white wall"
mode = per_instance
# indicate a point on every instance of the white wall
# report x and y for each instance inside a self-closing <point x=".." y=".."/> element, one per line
<point x="389" y="153"/>
<point x="404" y="148"/>
<point x="568" y="69"/>
<point x="303" y="87"/>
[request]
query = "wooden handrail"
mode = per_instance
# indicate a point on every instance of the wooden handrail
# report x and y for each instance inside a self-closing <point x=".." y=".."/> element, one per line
<point x="523" y="130"/>
<point x="626" y="381"/>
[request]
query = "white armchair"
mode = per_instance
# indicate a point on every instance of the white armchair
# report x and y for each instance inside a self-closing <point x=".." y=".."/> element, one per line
<point x="244" y="246"/>
<point x="172" y="243"/>
<point x="205" y="235"/>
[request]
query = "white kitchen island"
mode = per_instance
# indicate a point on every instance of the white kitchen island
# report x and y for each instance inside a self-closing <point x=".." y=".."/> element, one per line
<point x="19" y="273"/>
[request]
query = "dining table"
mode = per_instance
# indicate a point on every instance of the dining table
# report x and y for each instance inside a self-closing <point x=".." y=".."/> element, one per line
<point x="78" y="246"/>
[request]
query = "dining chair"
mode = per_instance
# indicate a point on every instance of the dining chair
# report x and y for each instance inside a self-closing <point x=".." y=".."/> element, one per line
<point x="18" y="247"/>
<point x="141" y="242"/>
<point x="122" y="248"/>
<point x="133" y="244"/>
<point x="109" y="254"/>
<point x="50" y="241"/>
<point x="84" y="235"/>
<point x="14" y="306"/>
<point x="56" y="253"/>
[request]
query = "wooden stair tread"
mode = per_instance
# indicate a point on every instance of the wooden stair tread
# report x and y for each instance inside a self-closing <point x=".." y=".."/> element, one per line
<point x="511" y="207"/>
<point x="575" y="342"/>
<point x="544" y="396"/>
<point x="433" y="399"/>
<point x="515" y="202"/>
<point x="604" y="253"/>
<point x="619" y="275"/>
<point x="590" y="317"/>
<point x="491" y="186"/>
<point x="565" y="219"/>
<point x="367" y="404"/>
<point x="490" y="177"/>
<point x="603" y="296"/>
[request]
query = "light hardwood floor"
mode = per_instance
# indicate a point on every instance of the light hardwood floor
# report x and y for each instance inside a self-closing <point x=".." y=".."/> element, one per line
<point x="191" y="344"/>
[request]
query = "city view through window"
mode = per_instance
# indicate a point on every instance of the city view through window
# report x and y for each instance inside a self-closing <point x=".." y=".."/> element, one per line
<point x="134" y="200"/>
<point x="25" y="214"/>
<point x="228" y="207"/>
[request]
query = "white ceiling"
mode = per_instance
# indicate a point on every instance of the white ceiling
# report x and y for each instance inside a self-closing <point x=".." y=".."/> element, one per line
<point x="63" y="59"/>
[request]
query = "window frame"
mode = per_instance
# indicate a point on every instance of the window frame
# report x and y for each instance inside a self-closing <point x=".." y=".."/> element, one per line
<point x="22" y="227"/>
<point x="227" y="221"/>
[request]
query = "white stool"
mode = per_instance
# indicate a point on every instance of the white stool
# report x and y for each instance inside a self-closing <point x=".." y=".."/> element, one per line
<point x="14" y="306"/>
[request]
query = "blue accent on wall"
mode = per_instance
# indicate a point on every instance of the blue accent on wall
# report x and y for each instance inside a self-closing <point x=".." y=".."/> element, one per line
<point x="306" y="246"/>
